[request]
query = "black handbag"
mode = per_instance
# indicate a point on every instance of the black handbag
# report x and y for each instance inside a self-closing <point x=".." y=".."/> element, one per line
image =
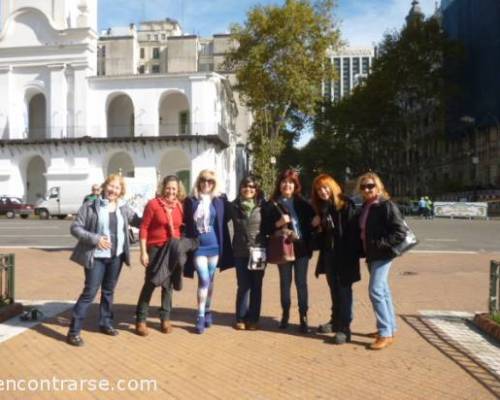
<point x="408" y="243"/>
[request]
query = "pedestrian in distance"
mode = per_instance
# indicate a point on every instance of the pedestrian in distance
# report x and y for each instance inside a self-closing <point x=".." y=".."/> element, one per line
<point x="288" y="209"/>
<point x="205" y="219"/>
<point x="162" y="221"/>
<point x="422" y="207"/>
<point x="246" y="216"/>
<point x="338" y="243"/>
<point x="101" y="228"/>
<point x="382" y="228"/>
<point x="94" y="193"/>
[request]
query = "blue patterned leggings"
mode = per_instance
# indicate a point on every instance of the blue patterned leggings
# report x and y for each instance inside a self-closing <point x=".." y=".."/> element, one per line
<point x="205" y="267"/>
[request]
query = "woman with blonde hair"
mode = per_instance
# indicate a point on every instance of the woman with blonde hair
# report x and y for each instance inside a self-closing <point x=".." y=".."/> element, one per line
<point x="337" y="239"/>
<point x="381" y="229"/>
<point x="205" y="219"/>
<point x="162" y="221"/>
<point x="101" y="227"/>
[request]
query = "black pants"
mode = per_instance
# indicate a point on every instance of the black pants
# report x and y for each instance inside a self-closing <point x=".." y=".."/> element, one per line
<point x="147" y="292"/>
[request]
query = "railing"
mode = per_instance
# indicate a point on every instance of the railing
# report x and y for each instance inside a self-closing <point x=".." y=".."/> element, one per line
<point x="494" y="303"/>
<point x="129" y="130"/>
<point x="7" y="275"/>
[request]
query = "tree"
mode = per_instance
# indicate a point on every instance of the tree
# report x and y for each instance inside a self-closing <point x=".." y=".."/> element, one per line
<point x="398" y="112"/>
<point x="280" y="62"/>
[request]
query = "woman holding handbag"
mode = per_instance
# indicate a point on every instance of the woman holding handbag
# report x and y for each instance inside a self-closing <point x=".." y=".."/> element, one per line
<point x="162" y="221"/>
<point x="288" y="213"/>
<point x="245" y="213"/>
<point x="337" y="238"/>
<point x="382" y="231"/>
<point x="206" y="220"/>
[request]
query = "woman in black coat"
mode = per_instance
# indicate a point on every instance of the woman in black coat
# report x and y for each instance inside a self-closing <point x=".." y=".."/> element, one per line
<point x="288" y="209"/>
<point x="246" y="214"/>
<point x="382" y="228"/>
<point x="337" y="237"/>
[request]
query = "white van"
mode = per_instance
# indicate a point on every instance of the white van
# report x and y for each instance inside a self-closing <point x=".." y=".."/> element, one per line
<point x="59" y="202"/>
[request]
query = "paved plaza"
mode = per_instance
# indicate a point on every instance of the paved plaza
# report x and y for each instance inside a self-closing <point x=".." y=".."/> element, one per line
<point x="436" y="355"/>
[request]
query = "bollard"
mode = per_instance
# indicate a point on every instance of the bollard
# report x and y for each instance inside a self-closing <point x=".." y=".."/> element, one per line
<point x="7" y="279"/>
<point x="494" y="306"/>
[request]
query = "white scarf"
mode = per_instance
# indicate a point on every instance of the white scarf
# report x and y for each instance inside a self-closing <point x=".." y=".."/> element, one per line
<point x="202" y="214"/>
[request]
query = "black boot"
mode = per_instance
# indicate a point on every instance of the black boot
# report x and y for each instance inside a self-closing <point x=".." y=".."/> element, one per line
<point x="285" y="316"/>
<point x="304" y="327"/>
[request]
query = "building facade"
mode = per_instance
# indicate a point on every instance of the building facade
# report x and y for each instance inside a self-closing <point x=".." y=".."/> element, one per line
<point x="351" y="65"/>
<point x="143" y="102"/>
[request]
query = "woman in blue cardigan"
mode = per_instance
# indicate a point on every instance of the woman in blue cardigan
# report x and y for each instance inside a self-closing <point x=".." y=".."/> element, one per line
<point x="205" y="219"/>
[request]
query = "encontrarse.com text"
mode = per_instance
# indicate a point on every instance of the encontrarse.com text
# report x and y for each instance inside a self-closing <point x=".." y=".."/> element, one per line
<point x="55" y="384"/>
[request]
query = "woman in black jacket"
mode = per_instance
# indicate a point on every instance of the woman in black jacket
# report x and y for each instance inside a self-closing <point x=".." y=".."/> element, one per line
<point x="382" y="228"/>
<point x="245" y="213"/>
<point x="338" y="254"/>
<point x="288" y="209"/>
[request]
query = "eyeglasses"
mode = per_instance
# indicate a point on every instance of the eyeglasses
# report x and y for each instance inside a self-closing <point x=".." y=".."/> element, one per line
<point x="207" y="180"/>
<point x="368" y="186"/>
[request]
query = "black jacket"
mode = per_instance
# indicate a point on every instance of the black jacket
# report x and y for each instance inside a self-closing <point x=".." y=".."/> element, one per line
<point x="305" y="214"/>
<point x="339" y="245"/>
<point x="246" y="229"/>
<point x="384" y="229"/>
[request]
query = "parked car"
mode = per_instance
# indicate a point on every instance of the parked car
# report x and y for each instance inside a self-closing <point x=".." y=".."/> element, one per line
<point x="408" y="207"/>
<point x="11" y="206"/>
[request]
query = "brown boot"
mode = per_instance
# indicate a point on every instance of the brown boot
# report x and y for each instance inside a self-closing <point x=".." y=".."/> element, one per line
<point x="166" y="326"/>
<point x="141" y="328"/>
<point x="381" y="343"/>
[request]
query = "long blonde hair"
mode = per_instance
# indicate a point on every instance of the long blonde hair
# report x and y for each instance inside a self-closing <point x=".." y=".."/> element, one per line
<point x="181" y="191"/>
<point x="378" y="183"/>
<point x="336" y="196"/>
<point x="206" y="174"/>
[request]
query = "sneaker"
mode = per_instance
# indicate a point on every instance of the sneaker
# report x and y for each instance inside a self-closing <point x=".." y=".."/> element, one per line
<point x="252" y="326"/>
<point x="108" y="330"/>
<point x="342" y="337"/>
<point x="200" y="324"/>
<point x="208" y="319"/>
<point x="326" y="328"/>
<point x="75" y="340"/>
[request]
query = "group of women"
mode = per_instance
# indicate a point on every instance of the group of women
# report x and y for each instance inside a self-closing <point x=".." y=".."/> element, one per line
<point x="329" y="223"/>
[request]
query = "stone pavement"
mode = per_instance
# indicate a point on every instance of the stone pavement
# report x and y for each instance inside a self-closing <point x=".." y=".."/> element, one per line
<point x="427" y="361"/>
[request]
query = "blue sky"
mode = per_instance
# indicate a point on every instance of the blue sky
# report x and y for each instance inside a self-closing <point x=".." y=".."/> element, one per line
<point x="363" y="22"/>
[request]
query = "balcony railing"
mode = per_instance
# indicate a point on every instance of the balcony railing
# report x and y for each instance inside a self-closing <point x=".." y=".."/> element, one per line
<point x="128" y="130"/>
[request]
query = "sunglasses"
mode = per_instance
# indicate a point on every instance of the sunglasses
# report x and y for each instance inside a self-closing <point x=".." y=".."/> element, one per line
<point x="368" y="186"/>
<point x="207" y="180"/>
<point x="249" y="186"/>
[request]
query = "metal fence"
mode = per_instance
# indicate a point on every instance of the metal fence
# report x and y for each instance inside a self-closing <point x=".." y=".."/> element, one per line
<point x="494" y="306"/>
<point x="7" y="274"/>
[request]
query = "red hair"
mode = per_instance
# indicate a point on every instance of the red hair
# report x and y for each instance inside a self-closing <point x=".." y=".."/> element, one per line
<point x="336" y="198"/>
<point x="288" y="175"/>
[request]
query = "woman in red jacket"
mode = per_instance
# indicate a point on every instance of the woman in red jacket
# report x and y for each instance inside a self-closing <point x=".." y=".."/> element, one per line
<point x="162" y="221"/>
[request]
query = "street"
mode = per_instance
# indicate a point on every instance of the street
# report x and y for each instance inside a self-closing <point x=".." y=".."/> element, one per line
<point x="440" y="235"/>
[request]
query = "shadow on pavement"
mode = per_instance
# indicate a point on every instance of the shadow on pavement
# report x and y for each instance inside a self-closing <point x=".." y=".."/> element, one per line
<point x="455" y="353"/>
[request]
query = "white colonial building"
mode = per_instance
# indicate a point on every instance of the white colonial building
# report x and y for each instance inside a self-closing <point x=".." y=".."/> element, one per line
<point x="69" y="115"/>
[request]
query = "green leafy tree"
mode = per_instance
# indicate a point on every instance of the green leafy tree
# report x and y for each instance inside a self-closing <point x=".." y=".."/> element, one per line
<point x="280" y="63"/>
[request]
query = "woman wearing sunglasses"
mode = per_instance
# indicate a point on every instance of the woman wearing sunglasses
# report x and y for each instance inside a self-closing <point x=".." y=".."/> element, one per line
<point x="288" y="209"/>
<point x="205" y="219"/>
<point x="338" y="235"/>
<point x="245" y="213"/>
<point x="382" y="228"/>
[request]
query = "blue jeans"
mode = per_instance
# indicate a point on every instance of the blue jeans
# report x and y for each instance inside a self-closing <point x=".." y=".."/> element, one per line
<point x="381" y="298"/>
<point x="299" y="266"/>
<point x="249" y="293"/>
<point x="103" y="274"/>
<point x="342" y="302"/>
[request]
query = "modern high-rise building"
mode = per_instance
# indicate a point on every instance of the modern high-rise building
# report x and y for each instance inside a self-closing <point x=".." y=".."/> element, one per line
<point x="351" y="65"/>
